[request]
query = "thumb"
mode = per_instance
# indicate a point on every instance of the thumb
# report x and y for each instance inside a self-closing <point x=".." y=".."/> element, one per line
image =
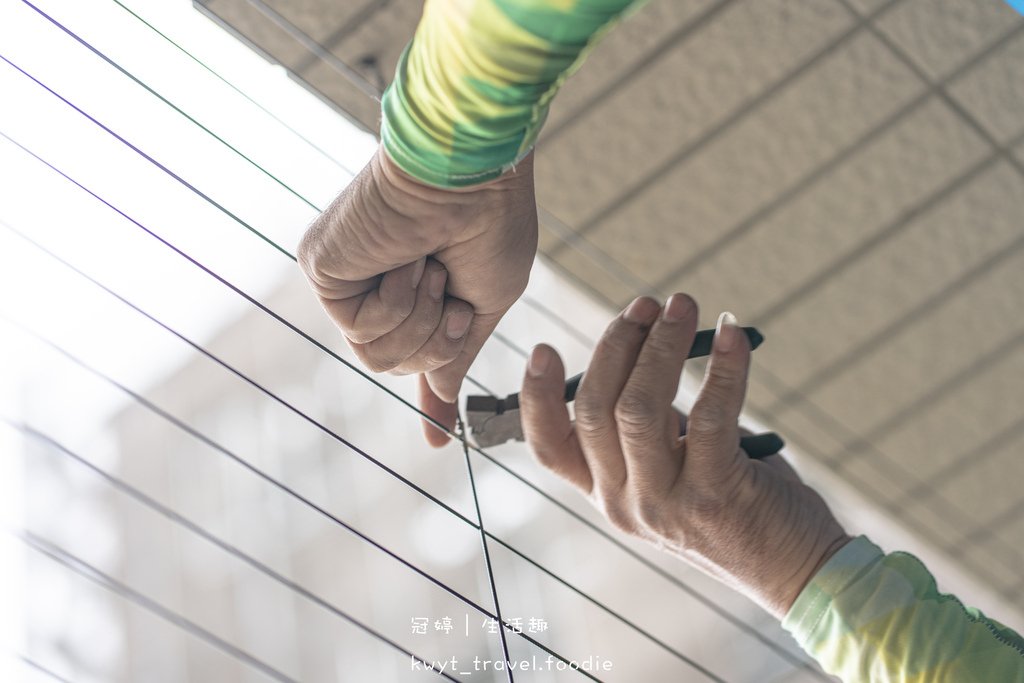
<point x="713" y="433"/>
<point x="444" y="413"/>
<point x="446" y="380"/>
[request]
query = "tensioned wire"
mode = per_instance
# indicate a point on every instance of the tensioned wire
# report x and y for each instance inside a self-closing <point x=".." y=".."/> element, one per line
<point x="710" y="604"/>
<point x="209" y="442"/>
<point x="186" y="523"/>
<point x="93" y="574"/>
<point x="283" y="487"/>
<point x="29" y="662"/>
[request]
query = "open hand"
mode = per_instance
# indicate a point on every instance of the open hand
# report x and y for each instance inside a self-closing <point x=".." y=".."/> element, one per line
<point x="751" y="523"/>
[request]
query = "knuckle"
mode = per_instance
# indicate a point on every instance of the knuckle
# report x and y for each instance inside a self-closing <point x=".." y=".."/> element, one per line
<point x="662" y="345"/>
<point x="588" y="412"/>
<point x="398" y="302"/>
<point x="635" y="405"/>
<point x="312" y="255"/>
<point x="308" y="250"/>
<point x="612" y="338"/>
<point x="708" y="417"/>
<point x="635" y="414"/>
<point x="440" y="357"/>
<point x="549" y="454"/>
<point x="355" y="335"/>
<point x="378" y="362"/>
<point x="725" y="375"/>
<point x="596" y="431"/>
<point x="426" y="325"/>
<point x="614" y="512"/>
<point x="651" y="515"/>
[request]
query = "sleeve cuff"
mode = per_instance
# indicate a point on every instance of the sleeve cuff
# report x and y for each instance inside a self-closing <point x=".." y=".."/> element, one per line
<point x="841" y="570"/>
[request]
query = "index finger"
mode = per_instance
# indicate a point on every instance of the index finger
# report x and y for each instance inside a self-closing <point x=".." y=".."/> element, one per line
<point x="369" y="309"/>
<point x="545" y="419"/>
<point x="713" y="433"/>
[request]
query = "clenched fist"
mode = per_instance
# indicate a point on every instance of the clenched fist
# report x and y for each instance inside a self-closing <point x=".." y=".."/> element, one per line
<point x="417" y="277"/>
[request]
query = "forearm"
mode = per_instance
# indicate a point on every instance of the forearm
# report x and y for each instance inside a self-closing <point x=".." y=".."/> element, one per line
<point x="866" y="616"/>
<point x="472" y="90"/>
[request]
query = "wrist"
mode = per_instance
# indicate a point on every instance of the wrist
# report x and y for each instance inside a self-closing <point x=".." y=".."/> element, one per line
<point x="828" y="543"/>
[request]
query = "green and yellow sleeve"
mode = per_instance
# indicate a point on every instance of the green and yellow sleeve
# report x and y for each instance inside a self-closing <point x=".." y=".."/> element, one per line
<point x="473" y="88"/>
<point x="870" y="617"/>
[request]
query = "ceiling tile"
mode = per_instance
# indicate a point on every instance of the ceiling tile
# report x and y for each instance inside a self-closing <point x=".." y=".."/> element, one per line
<point x="872" y="476"/>
<point x="1011" y="534"/>
<point x="594" y="277"/>
<point x="989" y="561"/>
<point x="681" y="96"/>
<point x="892" y="311"/>
<point x="382" y="37"/>
<point x="964" y="416"/>
<point x="868" y="6"/>
<point x="326" y="80"/>
<point x="780" y="145"/>
<point x="988" y="91"/>
<point x="939" y="35"/>
<point x="989" y="485"/>
<point x="635" y="42"/>
<point x="319" y="19"/>
<point x="786" y="260"/>
<point x="258" y="30"/>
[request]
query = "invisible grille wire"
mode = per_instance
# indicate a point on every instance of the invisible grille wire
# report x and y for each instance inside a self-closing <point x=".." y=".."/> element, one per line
<point x="202" y="532"/>
<point x="276" y="246"/>
<point x="100" y="578"/>
<point x="202" y="437"/>
<point x="279" y="248"/>
<point x="725" y="614"/>
<point x="216" y="446"/>
<point x="33" y="664"/>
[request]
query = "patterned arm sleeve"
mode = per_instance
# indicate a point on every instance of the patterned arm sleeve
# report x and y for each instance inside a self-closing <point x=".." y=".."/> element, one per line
<point x="472" y="90"/>
<point x="870" y="617"/>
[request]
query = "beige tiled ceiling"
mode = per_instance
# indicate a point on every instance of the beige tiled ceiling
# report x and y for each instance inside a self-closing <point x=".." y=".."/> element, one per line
<point x="846" y="174"/>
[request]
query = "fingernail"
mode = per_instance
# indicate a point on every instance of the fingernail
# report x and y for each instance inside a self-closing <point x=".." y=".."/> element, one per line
<point x="539" y="361"/>
<point x="677" y="308"/>
<point x="417" y="272"/>
<point x="726" y="332"/>
<point x="639" y="311"/>
<point x="457" y="324"/>
<point x="437" y="282"/>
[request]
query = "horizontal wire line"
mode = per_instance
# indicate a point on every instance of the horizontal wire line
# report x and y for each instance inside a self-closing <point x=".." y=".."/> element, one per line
<point x="216" y="446"/>
<point x="208" y="441"/>
<point x="81" y="41"/>
<point x="238" y="90"/>
<point x="100" y="578"/>
<point x="28" y="661"/>
<point x="741" y="625"/>
<point x="207" y="130"/>
<point x="195" y="433"/>
<point x="143" y="401"/>
<point x="184" y="522"/>
<point x="230" y="215"/>
<point x="636" y="556"/>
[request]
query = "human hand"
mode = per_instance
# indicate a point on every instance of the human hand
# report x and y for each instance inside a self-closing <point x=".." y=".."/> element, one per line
<point x="417" y="277"/>
<point x="750" y="523"/>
